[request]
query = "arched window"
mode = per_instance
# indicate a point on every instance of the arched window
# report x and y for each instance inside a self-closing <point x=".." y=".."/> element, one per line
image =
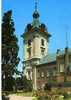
<point x="42" y="42"/>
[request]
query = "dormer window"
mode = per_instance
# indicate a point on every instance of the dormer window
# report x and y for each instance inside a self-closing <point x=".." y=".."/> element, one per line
<point x="29" y="42"/>
<point x="42" y="42"/>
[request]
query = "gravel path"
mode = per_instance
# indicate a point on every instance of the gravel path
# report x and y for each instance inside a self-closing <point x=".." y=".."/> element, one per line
<point x="15" y="97"/>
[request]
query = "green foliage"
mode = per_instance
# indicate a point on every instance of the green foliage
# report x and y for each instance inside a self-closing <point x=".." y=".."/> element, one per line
<point x="10" y="83"/>
<point x="19" y="83"/>
<point x="21" y="93"/>
<point x="52" y="95"/>
<point x="34" y="98"/>
<point x="4" y="97"/>
<point x="27" y="84"/>
<point x="43" y="98"/>
<point x="10" y="47"/>
<point x="24" y="84"/>
<point x="47" y="87"/>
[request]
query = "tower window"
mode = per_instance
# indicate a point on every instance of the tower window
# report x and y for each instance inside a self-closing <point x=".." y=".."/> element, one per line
<point x="29" y="42"/>
<point x="29" y="52"/>
<point x="42" y="42"/>
<point x="42" y="51"/>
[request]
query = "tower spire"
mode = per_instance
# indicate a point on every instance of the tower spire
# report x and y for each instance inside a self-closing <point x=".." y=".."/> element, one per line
<point x="66" y="36"/>
<point x="36" y="14"/>
<point x="36" y="5"/>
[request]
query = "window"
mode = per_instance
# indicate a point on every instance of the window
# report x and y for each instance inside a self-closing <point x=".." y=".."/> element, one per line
<point x="29" y="52"/>
<point x="29" y="42"/>
<point x="69" y="68"/>
<point x="42" y="74"/>
<point x="42" y="42"/>
<point x="54" y="71"/>
<point x="42" y="86"/>
<point x="48" y="74"/>
<point x="61" y="67"/>
<point x="42" y="51"/>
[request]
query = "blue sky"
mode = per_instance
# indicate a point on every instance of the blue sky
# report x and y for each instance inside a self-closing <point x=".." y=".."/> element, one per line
<point x="56" y="14"/>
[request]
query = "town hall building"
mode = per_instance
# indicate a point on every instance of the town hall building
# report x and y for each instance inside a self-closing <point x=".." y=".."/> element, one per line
<point x="40" y="66"/>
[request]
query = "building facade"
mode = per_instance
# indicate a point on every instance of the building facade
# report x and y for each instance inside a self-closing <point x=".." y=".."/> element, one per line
<point x="54" y="69"/>
<point x="40" y="66"/>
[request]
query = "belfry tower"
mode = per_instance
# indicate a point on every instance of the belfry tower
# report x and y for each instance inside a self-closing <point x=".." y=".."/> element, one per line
<point x="36" y="38"/>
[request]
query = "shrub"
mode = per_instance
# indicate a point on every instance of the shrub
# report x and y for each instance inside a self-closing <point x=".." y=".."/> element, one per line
<point x="47" y="87"/>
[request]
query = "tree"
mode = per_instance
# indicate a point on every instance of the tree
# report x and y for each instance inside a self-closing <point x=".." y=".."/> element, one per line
<point x="10" y="48"/>
<point x="27" y="84"/>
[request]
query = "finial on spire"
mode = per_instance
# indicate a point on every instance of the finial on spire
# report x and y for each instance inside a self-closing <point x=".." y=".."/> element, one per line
<point x="36" y="14"/>
<point x="36" y="3"/>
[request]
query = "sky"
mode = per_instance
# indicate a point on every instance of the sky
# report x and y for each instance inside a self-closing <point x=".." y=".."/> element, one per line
<point x="55" y="14"/>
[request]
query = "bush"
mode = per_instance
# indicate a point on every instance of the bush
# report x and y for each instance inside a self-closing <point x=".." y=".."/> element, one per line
<point x="43" y="98"/>
<point x="66" y="96"/>
<point x="24" y="84"/>
<point x="47" y="87"/>
<point x="27" y="84"/>
<point x="9" y="84"/>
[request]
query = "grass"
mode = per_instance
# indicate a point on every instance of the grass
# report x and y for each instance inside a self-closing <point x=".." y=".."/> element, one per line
<point x="24" y="94"/>
<point x="18" y="93"/>
<point x="39" y="94"/>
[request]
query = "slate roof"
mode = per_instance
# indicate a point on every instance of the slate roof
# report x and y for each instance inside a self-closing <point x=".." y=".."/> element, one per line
<point x="62" y="52"/>
<point x="48" y="58"/>
<point x="52" y="57"/>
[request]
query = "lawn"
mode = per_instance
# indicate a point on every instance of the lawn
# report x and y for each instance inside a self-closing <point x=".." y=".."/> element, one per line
<point x="42" y="96"/>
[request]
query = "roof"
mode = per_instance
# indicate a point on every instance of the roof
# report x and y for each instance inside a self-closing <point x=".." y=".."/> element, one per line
<point x="48" y="59"/>
<point x="52" y="57"/>
<point x="62" y="52"/>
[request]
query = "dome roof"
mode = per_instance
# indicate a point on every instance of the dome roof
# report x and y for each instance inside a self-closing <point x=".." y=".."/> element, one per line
<point x="43" y="26"/>
<point x="40" y="26"/>
<point x="36" y="14"/>
<point x="28" y="27"/>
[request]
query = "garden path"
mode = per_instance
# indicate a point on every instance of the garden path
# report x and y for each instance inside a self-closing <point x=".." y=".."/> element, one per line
<point x="15" y="97"/>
